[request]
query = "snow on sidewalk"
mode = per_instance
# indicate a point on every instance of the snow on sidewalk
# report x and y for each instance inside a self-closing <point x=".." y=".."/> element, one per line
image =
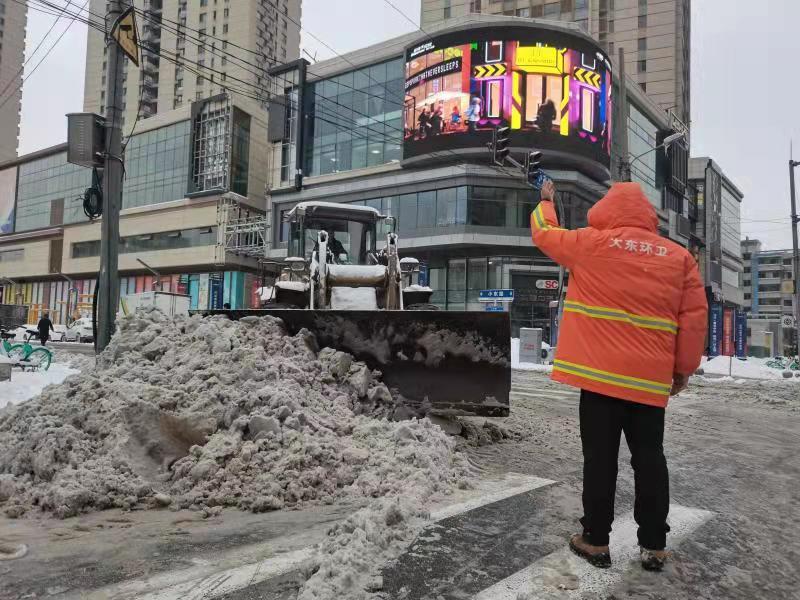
<point x="24" y="386"/>
<point x="752" y="368"/>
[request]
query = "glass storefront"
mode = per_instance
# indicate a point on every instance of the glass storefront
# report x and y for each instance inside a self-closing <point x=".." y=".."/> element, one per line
<point x="457" y="283"/>
<point x="471" y="205"/>
<point x="157" y="165"/>
<point x="642" y="134"/>
<point x="355" y="119"/>
<point x="48" y="192"/>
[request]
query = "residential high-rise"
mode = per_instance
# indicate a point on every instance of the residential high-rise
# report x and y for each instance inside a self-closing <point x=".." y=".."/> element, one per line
<point x="654" y="33"/>
<point x="768" y="284"/>
<point x="13" y="19"/>
<point x="217" y="44"/>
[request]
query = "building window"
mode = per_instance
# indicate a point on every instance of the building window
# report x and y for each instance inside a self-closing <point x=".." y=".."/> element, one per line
<point x="168" y="240"/>
<point x="523" y="12"/>
<point x="552" y="10"/>
<point x="15" y="255"/>
<point x="642" y="44"/>
<point x="642" y="66"/>
<point x="642" y="21"/>
<point x="447" y="9"/>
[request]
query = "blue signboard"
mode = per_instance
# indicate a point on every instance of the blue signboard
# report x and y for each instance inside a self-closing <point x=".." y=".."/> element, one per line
<point x="741" y="334"/>
<point x="496" y="296"/>
<point x="715" y="313"/>
<point x="491" y="308"/>
<point x="215" y="291"/>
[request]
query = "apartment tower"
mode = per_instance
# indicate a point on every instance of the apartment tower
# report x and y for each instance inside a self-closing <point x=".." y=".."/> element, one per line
<point x="654" y="33"/>
<point x="13" y="19"/>
<point x="193" y="49"/>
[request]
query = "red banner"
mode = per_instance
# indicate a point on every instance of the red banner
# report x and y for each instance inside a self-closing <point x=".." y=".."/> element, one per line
<point x="727" y="332"/>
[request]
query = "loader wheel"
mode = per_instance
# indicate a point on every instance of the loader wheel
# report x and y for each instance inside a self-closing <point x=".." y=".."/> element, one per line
<point x="422" y="307"/>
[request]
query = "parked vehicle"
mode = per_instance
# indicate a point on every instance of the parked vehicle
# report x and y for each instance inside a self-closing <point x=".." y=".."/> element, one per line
<point x="25" y="355"/>
<point x="170" y="304"/>
<point x="80" y="330"/>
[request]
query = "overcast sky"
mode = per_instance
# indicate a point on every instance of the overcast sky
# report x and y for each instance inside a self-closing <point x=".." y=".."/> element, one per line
<point x="744" y="91"/>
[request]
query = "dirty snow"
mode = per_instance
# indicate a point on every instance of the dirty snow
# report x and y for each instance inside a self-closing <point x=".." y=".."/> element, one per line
<point x="295" y="286"/>
<point x="417" y="288"/>
<point x="204" y="413"/>
<point x="752" y="368"/>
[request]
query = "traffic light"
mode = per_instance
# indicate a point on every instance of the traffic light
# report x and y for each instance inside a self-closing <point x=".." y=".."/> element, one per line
<point x="533" y="167"/>
<point x="501" y="144"/>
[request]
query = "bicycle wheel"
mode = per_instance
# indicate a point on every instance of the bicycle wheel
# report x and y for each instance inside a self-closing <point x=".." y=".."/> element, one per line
<point x="16" y="351"/>
<point x="40" y="359"/>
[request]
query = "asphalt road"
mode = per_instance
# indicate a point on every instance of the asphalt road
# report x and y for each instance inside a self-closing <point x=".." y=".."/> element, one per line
<point x="734" y="456"/>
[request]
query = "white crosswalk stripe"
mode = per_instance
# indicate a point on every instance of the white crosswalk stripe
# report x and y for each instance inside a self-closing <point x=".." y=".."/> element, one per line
<point x="564" y="571"/>
<point x="205" y="581"/>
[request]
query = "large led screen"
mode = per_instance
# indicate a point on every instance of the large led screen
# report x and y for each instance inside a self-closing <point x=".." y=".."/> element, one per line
<point x="553" y="89"/>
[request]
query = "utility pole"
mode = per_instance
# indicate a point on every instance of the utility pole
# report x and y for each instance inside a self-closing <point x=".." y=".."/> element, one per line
<point x="622" y="126"/>
<point x="108" y="288"/>
<point x="795" y="255"/>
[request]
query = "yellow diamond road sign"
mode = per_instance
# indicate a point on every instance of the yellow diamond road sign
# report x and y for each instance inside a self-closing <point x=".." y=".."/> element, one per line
<point x="127" y="36"/>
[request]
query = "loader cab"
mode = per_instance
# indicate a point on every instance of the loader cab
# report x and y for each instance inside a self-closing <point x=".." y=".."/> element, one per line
<point x="352" y="231"/>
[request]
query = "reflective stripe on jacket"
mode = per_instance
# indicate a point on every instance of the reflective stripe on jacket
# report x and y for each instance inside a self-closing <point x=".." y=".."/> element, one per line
<point x="636" y="309"/>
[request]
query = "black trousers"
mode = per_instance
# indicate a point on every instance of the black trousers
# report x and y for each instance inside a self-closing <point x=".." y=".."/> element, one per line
<point x="603" y="418"/>
<point x="43" y="339"/>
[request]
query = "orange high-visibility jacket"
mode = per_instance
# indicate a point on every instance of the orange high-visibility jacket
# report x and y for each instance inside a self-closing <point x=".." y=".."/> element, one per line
<point x="636" y="311"/>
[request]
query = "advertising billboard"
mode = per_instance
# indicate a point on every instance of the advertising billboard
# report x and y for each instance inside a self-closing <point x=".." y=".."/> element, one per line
<point x="8" y="197"/>
<point x="551" y="88"/>
<point x="727" y="332"/>
<point x="715" y="329"/>
<point x="741" y="334"/>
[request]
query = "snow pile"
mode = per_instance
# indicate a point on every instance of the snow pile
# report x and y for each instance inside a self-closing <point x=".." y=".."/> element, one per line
<point x="204" y="413"/>
<point x="752" y="368"/>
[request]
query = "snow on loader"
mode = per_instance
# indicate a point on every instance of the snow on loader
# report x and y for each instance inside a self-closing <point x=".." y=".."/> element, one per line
<point x="368" y="302"/>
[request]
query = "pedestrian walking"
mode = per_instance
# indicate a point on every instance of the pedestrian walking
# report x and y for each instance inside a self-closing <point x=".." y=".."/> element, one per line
<point x="633" y="332"/>
<point x="45" y="326"/>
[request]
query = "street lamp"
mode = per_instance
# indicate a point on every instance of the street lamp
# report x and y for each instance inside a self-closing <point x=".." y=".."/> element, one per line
<point x="668" y="141"/>
<point x="795" y="253"/>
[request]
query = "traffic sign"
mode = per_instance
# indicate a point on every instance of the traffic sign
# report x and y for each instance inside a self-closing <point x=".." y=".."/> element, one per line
<point x="493" y="308"/>
<point x="127" y="36"/>
<point x="496" y="296"/>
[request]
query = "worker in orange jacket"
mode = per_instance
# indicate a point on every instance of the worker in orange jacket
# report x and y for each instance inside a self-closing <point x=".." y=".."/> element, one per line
<point x="633" y="332"/>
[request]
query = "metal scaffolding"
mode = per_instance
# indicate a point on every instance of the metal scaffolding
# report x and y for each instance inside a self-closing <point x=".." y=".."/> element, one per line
<point x="240" y="230"/>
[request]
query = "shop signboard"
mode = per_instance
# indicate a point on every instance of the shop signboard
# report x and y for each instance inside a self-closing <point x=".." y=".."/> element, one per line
<point x="715" y="329"/>
<point x="741" y="334"/>
<point x="552" y="88"/>
<point x="727" y="332"/>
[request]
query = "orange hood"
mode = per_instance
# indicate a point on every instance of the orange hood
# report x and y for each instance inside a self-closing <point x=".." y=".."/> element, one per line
<point x="625" y="205"/>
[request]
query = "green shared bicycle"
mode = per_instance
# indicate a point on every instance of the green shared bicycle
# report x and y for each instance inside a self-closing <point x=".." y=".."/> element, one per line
<point x="26" y="356"/>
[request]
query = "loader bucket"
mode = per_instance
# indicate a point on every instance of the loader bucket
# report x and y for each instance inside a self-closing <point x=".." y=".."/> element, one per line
<point x="451" y="363"/>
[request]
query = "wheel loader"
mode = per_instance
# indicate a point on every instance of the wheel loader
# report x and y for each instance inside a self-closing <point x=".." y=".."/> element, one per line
<point x="367" y="301"/>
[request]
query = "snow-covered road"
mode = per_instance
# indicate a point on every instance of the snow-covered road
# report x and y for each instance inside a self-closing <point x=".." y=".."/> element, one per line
<point x="731" y="447"/>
